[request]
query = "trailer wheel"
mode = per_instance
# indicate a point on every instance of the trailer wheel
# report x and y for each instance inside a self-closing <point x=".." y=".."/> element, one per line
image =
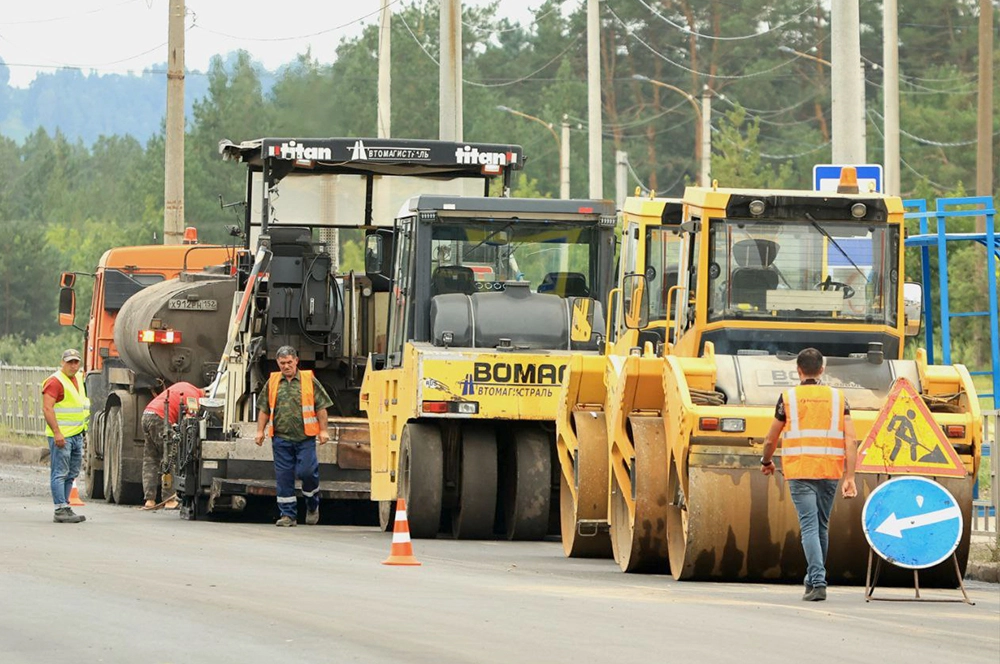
<point x="477" y="483"/>
<point x="527" y="480"/>
<point x="125" y="493"/>
<point x="112" y="421"/>
<point x="94" y="477"/>
<point x="421" y="478"/>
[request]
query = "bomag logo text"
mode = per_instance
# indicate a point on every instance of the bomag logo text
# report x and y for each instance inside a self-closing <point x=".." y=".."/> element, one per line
<point x="506" y="379"/>
<point x="517" y="373"/>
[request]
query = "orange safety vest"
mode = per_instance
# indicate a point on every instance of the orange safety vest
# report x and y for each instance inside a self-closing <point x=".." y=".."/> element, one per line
<point x="812" y="446"/>
<point x="309" y="421"/>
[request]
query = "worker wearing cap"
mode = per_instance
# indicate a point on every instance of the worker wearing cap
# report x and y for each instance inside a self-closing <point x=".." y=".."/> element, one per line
<point x="166" y="403"/>
<point x="67" y="411"/>
<point x="292" y="409"/>
<point x="817" y="443"/>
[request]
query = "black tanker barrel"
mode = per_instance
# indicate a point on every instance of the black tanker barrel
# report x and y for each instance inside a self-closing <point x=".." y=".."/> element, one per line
<point x="528" y="320"/>
<point x="198" y="306"/>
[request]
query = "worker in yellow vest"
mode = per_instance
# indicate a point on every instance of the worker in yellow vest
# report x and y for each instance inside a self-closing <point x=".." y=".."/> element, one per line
<point x="818" y="446"/>
<point x="66" y="410"/>
<point x="292" y="410"/>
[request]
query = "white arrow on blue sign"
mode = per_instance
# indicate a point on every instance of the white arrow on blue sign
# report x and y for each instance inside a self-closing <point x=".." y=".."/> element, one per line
<point x="912" y="522"/>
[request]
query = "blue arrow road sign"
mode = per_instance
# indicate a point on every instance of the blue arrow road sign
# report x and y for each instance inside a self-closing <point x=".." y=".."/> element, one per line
<point x="912" y="522"/>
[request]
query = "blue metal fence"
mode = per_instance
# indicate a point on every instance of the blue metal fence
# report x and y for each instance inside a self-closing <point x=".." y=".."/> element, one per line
<point x="938" y="238"/>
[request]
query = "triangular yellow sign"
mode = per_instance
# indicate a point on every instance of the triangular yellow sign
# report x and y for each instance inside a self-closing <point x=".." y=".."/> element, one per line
<point x="905" y="439"/>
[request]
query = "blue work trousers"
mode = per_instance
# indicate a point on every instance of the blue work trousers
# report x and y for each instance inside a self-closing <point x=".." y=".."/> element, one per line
<point x="64" y="467"/>
<point x="813" y="501"/>
<point x="296" y="459"/>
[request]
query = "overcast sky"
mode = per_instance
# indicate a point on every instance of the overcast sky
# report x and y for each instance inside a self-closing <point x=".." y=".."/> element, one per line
<point x="118" y="36"/>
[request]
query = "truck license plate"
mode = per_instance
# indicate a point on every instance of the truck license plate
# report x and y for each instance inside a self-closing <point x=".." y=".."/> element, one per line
<point x="181" y="304"/>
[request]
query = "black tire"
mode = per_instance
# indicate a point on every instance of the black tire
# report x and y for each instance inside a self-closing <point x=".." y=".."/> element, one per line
<point x="473" y="516"/>
<point x="112" y="451"/>
<point x="527" y="495"/>
<point x="94" y="478"/>
<point x="421" y="478"/>
<point x="125" y="493"/>
<point x="386" y="515"/>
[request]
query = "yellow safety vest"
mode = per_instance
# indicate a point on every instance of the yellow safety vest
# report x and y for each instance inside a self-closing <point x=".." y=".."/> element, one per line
<point x="73" y="412"/>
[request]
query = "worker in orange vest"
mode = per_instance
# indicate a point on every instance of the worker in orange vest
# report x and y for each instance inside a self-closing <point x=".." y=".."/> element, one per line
<point x="293" y="413"/>
<point x="817" y="442"/>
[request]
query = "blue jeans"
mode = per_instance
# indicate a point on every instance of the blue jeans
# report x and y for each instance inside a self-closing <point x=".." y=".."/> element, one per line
<point x="64" y="466"/>
<point x="295" y="459"/>
<point x="813" y="501"/>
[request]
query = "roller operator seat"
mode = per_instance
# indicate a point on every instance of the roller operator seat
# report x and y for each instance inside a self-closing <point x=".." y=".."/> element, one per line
<point x="755" y="275"/>
<point x="453" y="279"/>
<point x="565" y="284"/>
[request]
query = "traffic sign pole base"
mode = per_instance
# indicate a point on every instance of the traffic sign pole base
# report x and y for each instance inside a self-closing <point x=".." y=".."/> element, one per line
<point x="871" y="580"/>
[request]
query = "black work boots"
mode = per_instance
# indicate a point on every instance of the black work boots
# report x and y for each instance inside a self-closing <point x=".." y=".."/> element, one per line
<point x="67" y="515"/>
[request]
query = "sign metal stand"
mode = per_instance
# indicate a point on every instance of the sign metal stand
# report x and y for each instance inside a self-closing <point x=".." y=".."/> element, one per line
<point x="872" y="580"/>
<point x="922" y="537"/>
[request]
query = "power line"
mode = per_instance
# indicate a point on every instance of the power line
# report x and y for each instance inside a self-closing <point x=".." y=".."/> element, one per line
<point x="295" y="37"/>
<point x="688" y="31"/>
<point x="652" y="50"/>
<point x="54" y="19"/>
<point x="515" y="28"/>
<point x="491" y="85"/>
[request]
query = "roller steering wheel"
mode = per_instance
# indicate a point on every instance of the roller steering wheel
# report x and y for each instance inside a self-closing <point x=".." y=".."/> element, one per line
<point x="829" y="284"/>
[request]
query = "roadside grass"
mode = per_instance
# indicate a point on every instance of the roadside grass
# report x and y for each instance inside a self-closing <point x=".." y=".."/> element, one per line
<point x="986" y="552"/>
<point x="9" y="436"/>
<point x="984" y="385"/>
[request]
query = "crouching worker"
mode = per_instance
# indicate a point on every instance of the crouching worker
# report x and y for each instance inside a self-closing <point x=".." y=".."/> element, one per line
<point x="154" y="432"/>
<point x="295" y="406"/>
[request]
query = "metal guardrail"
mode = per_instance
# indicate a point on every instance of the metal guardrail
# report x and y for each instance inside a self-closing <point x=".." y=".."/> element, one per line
<point x="985" y="510"/>
<point x="21" y="399"/>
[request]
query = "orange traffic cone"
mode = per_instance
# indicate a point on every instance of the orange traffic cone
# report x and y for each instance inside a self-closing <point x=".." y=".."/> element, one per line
<point x="401" y="552"/>
<point x="74" y="497"/>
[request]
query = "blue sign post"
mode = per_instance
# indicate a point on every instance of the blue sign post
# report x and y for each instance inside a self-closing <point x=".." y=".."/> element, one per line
<point x="912" y="522"/>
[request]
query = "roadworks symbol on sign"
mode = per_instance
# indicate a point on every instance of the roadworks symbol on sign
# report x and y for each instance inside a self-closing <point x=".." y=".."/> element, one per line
<point x="905" y="439"/>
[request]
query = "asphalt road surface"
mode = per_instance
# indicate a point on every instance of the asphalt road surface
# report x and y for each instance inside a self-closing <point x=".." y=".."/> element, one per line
<point x="140" y="587"/>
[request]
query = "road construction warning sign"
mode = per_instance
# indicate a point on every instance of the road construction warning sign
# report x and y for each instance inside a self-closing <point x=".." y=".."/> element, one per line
<point x="905" y="439"/>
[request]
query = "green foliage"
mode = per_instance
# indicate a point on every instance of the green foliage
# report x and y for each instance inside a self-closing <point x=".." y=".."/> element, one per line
<point x="28" y="273"/>
<point x="64" y="201"/>
<point x="43" y="351"/>
<point x="738" y="163"/>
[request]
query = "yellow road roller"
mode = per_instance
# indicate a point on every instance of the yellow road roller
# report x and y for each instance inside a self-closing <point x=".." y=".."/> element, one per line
<point x="686" y="390"/>
<point x="603" y="392"/>
<point x="764" y="274"/>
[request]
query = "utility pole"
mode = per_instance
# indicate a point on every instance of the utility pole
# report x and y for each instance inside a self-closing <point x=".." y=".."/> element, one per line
<point x="385" y="71"/>
<point x="984" y="123"/>
<point x="564" y="160"/>
<point x="621" y="178"/>
<point x="847" y="89"/>
<point x="890" y="94"/>
<point x="450" y="76"/>
<point x="173" y="162"/>
<point x="706" y="137"/>
<point x="596" y="167"/>
<point x="984" y="159"/>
